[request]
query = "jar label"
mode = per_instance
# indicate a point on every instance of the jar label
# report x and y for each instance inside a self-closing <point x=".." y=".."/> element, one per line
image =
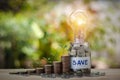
<point x="80" y="63"/>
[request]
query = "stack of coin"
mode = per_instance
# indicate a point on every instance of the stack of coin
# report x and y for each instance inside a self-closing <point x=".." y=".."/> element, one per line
<point x="48" y="69"/>
<point x="57" y="67"/>
<point x="65" y="64"/>
<point x="39" y="70"/>
<point x="31" y="72"/>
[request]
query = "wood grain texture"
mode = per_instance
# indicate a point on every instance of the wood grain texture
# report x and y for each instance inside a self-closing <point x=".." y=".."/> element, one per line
<point x="110" y="74"/>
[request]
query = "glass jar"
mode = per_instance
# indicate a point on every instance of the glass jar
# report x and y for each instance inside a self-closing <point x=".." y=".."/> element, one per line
<point x="80" y="58"/>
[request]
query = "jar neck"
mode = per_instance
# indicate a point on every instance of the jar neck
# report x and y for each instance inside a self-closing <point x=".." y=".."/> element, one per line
<point x="79" y="38"/>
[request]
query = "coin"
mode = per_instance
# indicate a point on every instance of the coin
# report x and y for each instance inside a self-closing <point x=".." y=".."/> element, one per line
<point x="39" y="70"/>
<point x="57" y="67"/>
<point x="31" y="72"/>
<point x="48" y="69"/>
<point x="65" y="64"/>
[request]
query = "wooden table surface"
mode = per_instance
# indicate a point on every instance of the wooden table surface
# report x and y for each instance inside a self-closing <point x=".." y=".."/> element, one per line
<point x="110" y="74"/>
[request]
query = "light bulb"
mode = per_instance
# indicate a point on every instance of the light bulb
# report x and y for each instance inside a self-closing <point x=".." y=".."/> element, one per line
<point x="78" y="21"/>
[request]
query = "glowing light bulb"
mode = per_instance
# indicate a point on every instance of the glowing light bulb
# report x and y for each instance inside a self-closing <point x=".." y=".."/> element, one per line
<point x="78" y="21"/>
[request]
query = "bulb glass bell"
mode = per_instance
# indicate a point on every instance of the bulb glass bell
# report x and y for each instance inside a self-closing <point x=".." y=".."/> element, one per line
<point x="78" y="21"/>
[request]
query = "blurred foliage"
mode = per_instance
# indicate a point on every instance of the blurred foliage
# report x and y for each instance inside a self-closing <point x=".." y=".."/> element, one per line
<point x="27" y="36"/>
<point x="11" y="5"/>
<point x="28" y="39"/>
